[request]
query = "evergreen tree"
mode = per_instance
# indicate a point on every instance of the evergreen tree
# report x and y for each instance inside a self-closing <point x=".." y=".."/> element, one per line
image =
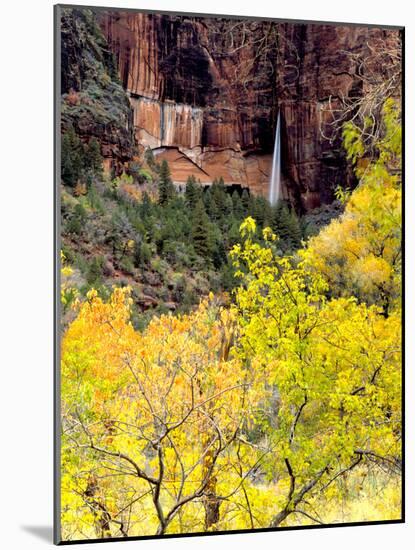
<point x="262" y="211"/>
<point x="218" y="254"/>
<point x="295" y="230"/>
<point x="165" y="186"/>
<point x="94" y="272"/>
<point x="211" y="203"/>
<point x="268" y="212"/>
<point x="192" y="192"/>
<point x="227" y="207"/>
<point x="72" y="157"/>
<point x="237" y="206"/>
<point x="287" y="226"/>
<point x="208" y="200"/>
<point x="245" y="201"/>
<point x="219" y="196"/>
<point x="93" y="158"/>
<point x="142" y="252"/>
<point x="201" y="231"/>
<point x="149" y="157"/>
<point x="76" y="223"/>
<point x="145" y="206"/>
<point x="281" y="221"/>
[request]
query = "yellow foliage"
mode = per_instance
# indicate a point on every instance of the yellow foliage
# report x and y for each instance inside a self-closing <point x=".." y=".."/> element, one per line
<point x="171" y="400"/>
<point x="68" y="291"/>
<point x="282" y="409"/>
<point x="360" y="253"/>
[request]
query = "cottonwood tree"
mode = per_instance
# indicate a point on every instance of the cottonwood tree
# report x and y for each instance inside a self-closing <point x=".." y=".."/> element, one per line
<point x="359" y="254"/>
<point x="335" y="367"/>
<point x="377" y="72"/>
<point x="149" y="420"/>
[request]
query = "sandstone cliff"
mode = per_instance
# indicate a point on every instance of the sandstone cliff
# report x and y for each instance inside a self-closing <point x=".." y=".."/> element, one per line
<point x="205" y="93"/>
<point x="94" y="101"/>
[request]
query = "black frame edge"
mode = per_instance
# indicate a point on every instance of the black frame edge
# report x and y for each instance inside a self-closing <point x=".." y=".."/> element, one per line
<point x="233" y="16"/>
<point x="56" y="277"/>
<point x="403" y="284"/>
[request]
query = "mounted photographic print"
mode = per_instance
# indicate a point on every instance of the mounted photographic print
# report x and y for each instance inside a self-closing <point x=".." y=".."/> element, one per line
<point x="228" y="274"/>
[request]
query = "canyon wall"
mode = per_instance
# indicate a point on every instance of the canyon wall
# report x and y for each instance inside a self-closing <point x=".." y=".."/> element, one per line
<point x="94" y="101"/>
<point x="205" y="93"/>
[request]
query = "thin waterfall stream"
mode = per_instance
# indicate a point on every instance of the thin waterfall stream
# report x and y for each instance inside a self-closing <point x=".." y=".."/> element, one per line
<point x="275" y="182"/>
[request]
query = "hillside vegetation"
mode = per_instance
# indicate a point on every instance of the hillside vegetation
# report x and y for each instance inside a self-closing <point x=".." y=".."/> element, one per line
<point x="171" y="248"/>
<point x="223" y="367"/>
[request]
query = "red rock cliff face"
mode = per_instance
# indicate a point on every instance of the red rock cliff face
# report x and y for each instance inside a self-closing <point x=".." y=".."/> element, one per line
<point x="321" y="66"/>
<point x="205" y="93"/>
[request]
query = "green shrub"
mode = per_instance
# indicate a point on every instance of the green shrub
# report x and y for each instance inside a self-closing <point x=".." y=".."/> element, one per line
<point x="77" y="220"/>
<point x="127" y="265"/>
<point x="95" y="271"/>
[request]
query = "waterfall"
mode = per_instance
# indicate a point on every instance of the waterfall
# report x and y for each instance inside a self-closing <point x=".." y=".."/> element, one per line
<point x="275" y="182"/>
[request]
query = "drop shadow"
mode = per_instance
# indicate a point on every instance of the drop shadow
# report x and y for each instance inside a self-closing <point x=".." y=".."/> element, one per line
<point x="43" y="532"/>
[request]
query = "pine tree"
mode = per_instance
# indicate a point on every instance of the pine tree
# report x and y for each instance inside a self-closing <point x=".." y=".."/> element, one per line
<point x="286" y="225"/>
<point x="219" y="254"/>
<point x="201" y="231"/>
<point x="142" y="252"/>
<point x="94" y="272"/>
<point x="245" y="201"/>
<point x="268" y="212"/>
<point x="281" y="221"/>
<point x="208" y="200"/>
<point x="211" y="203"/>
<point x="149" y="157"/>
<point x="294" y="230"/>
<point x="146" y="206"/>
<point x="219" y="196"/>
<point x="72" y="157"/>
<point x="262" y="211"/>
<point x="165" y="186"/>
<point x="227" y="207"/>
<point x="192" y="192"/>
<point x="252" y="206"/>
<point x="237" y="206"/>
<point x="93" y="158"/>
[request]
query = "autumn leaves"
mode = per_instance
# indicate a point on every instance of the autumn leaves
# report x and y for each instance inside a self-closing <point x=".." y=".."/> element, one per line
<point x="260" y="414"/>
